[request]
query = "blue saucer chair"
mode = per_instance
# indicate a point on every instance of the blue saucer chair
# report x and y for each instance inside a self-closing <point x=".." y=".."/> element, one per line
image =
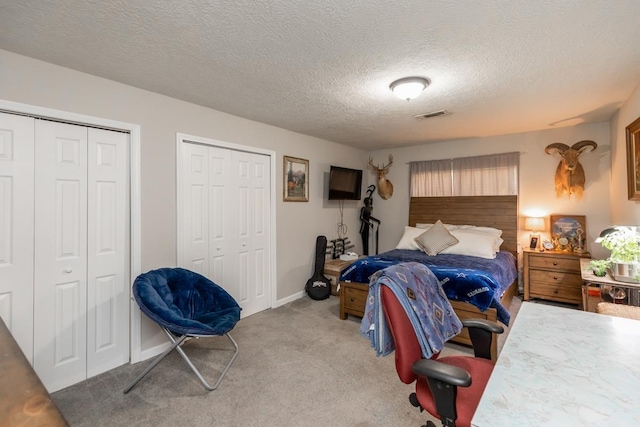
<point x="185" y="305"/>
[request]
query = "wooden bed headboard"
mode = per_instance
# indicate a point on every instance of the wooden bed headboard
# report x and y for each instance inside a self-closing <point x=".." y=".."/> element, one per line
<point x="488" y="211"/>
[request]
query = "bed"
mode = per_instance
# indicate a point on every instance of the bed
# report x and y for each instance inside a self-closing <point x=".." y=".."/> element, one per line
<point x="499" y="212"/>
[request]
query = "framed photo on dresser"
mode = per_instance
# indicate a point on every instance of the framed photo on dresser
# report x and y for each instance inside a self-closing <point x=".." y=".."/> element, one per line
<point x="569" y="232"/>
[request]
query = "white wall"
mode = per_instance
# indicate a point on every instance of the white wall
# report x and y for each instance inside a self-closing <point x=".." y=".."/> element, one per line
<point x="537" y="169"/>
<point x="33" y="82"/>
<point x="623" y="211"/>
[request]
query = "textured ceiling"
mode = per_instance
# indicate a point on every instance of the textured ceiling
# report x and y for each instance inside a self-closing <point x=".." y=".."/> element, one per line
<point x="323" y="67"/>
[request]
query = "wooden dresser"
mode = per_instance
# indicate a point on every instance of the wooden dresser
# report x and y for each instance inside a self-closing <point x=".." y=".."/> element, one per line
<point x="553" y="276"/>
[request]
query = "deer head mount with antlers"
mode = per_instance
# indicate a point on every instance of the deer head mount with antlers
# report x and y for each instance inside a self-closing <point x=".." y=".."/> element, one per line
<point x="569" y="176"/>
<point x="385" y="187"/>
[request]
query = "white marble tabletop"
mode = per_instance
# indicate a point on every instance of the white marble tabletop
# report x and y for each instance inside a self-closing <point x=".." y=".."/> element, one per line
<point x="564" y="367"/>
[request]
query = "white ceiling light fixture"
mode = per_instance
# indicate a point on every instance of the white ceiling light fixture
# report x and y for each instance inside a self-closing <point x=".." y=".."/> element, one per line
<point x="409" y="87"/>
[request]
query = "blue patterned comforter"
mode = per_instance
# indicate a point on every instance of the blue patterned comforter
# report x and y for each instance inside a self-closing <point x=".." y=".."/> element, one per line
<point x="478" y="281"/>
<point x="428" y="309"/>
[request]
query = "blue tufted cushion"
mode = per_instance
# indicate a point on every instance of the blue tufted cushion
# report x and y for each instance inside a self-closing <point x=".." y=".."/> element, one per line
<point x="185" y="302"/>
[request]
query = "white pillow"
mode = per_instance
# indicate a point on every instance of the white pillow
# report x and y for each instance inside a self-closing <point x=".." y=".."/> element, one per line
<point x="407" y="242"/>
<point x="435" y="239"/>
<point x="474" y="243"/>
<point x="490" y="230"/>
<point x="428" y="226"/>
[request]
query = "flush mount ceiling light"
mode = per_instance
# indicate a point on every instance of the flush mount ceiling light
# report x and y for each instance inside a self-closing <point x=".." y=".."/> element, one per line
<point x="409" y="87"/>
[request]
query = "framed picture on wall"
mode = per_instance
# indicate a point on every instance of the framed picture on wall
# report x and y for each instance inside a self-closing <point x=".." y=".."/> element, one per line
<point x="296" y="179"/>
<point x="569" y="232"/>
<point x="633" y="159"/>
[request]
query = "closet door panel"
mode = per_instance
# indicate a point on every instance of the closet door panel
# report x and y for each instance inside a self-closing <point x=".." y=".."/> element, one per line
<point x="107" y="251"/>
<point x="242" y="228"/>
<point x="195" y="168"/>
<point x="16" y="228"/>
<point x="221" y="219"/>
<point x="60" y="254"/>
<point x="251" y="180"/>
<point x="261" y="230"/>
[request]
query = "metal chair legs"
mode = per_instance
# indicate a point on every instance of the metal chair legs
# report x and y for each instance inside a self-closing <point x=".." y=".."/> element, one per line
<point x="224" y="371"/>
<point x="176" y="343"/>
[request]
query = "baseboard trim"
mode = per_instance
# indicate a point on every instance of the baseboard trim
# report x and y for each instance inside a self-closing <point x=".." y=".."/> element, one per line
<point x="289" y="299"/>
<point x="153" y="351"/>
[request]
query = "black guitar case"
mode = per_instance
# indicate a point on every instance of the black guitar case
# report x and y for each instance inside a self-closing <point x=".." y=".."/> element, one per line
<point x="318" y="286"/>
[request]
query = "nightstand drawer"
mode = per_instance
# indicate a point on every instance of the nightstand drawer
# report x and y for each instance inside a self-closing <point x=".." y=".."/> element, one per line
<point x="554" y="263"/>
<point x="555" y="278"/>
<point x="355" y="299"/>
<point x="556" y="291"/>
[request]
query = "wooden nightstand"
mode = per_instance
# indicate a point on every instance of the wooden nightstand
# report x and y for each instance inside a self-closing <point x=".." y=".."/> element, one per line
<point x="553" y="275"/>
<point x="332" y="269"/>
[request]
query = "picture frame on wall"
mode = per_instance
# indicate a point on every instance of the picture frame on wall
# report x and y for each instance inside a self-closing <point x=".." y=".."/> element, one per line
<point x="569" y="232"/>
<point x="296" y="179"/>
<point x="633" y="159"/>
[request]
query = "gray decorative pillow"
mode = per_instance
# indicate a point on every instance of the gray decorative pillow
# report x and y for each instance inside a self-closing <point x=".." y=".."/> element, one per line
<point x="435" y="239"/>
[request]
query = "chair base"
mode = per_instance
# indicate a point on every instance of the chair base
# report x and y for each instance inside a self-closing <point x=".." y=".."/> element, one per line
<point x="176" y="343"/>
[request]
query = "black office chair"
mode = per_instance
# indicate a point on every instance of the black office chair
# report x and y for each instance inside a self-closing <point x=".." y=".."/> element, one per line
<point x="450" y="387"/>
<point x="185" y="305"/>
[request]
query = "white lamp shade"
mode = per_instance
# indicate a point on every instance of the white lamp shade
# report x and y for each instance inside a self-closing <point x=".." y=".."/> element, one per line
<point x="409" y="87"/>
<point x="534" y="223"/>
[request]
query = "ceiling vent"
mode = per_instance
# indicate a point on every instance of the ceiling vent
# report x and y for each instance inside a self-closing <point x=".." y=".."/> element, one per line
<point x="432" y="114"/>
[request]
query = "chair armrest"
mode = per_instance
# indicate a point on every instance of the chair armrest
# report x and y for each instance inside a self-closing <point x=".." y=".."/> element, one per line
<point x="443" y="372"/>
<point x="481" y="333"/>
<point x="486" y="325"/>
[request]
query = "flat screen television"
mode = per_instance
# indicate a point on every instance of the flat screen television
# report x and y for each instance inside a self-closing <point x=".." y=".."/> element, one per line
<point x="345" y="183"/>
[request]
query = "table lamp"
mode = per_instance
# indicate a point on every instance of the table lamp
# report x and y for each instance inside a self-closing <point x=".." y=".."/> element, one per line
<point x="534" y="224"/>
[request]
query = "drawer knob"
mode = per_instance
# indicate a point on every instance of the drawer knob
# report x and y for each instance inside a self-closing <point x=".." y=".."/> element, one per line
<point x="555" y="263"/>
<point x="555" y="291"/>
<point x="352" y="300"/>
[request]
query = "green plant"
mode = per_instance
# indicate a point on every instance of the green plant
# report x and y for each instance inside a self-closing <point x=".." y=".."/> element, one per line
<point x="623" y="242"/>
<point x="599" y="266"/>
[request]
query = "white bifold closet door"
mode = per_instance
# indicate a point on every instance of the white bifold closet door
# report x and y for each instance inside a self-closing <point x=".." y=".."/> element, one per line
<point x="16" y="228"/>
<point x="64" y="256"/>
<point x="226" y="214"/>
<point x="81" y="282"/>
